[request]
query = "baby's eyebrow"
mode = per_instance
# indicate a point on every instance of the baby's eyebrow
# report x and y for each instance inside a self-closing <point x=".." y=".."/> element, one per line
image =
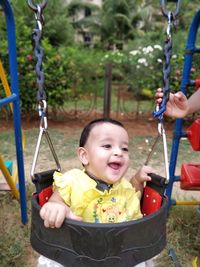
<point x="110" y="139"/>
<point x="125" y="143"/>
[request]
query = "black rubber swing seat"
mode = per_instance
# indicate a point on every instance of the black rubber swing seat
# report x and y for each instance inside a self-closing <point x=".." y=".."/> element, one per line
<point x="81" y="244"/>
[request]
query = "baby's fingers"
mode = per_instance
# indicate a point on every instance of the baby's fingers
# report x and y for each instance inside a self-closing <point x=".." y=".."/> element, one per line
<point x="43" y="211"/>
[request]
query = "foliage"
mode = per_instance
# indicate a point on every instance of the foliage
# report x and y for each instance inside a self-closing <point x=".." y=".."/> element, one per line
<point x="56" y="79"/>
<point x="58" y="29"/>
<point x="72" y="70"/>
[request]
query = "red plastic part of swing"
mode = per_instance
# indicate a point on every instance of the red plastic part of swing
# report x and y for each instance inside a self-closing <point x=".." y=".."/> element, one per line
<point x="152" y="201"/>
<point x="197" y="83"/>
<point x="190" y="177"/>
<point x="193" y="134"/>
<point x="44" y="195"/>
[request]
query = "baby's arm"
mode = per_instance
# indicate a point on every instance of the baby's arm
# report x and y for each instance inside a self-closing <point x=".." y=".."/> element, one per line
<point x="140" y="177"/>
<point x="55" y="211"/>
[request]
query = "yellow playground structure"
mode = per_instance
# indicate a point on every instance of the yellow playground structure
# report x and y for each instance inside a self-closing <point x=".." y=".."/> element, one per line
<point x="6" y="167"/>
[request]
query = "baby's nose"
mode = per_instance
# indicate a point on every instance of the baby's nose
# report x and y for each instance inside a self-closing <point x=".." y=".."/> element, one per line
<point x="117" y="152"/>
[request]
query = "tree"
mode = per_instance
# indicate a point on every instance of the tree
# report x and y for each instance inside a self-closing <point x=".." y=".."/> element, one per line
<point x="118" y="22"/>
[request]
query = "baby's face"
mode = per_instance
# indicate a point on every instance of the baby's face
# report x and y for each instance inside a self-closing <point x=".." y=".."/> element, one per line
<point x="107" y="152"/>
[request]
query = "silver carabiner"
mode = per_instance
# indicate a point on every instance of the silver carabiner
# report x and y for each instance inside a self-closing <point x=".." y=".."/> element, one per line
<point x="169" y="25"/>
<point x="34" y="7"/>
<point x="39" y="18"/>
<point x="42" y="108"/>
<point x="165" y="11"/>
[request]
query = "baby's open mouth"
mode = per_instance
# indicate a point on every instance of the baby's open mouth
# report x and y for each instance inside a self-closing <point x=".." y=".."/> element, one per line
<point x="114" y="165"/>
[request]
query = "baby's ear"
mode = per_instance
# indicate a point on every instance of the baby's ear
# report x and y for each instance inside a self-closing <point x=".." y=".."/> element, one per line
<point x="82" y="154"/>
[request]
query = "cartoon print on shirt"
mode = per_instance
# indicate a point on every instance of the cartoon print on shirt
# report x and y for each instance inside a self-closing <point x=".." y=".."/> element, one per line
<point x="110" y="211"/>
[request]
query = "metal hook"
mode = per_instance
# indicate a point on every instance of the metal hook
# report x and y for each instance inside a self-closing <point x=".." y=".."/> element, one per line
<point x="169" y="24"/>
<point x="165" y="11"/>
<point x="34" y="7"/>
<point x="39" y="18"/>
<point x="42" y="107"/>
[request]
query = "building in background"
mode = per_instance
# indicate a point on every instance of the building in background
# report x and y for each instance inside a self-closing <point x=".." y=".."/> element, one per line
<point x="82" y="33"/>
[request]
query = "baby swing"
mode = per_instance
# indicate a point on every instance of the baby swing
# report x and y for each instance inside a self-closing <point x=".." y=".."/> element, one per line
<point x="82" y="244"/>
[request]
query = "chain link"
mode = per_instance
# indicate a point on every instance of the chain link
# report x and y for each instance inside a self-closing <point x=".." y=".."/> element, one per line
<point x="166" y="69"/>
<point x="38" y="51"/>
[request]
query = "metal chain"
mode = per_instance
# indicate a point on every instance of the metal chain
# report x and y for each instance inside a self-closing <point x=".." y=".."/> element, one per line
<point x="166" y="69"/>
<point x="41" y="94"/>
<point x="167" y="51"/>
<point x="38" y="51"/>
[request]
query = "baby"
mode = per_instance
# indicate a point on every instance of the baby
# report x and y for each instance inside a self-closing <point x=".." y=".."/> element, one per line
<point x="99" y="193"/>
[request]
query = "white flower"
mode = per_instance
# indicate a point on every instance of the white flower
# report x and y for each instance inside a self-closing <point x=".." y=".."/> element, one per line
<point x="135" y="52"/>
<point x="143" y="61"/>
<point x="147" y="49"/>
<point x="174" y="56"/>
<point x="159" y="60"/>
<point x="157" y="47"/>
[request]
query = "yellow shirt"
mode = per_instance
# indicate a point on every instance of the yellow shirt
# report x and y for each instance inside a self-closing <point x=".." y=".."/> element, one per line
<point x="121" y="203"/>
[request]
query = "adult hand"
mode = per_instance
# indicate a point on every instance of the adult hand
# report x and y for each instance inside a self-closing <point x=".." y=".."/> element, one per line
<point x="177" y="105"/>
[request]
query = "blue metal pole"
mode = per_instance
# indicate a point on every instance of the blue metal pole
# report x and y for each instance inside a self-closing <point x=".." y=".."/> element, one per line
<point x="178" y="132"/>
<point x="8" y="100"/>
<point x="16" y="104"/>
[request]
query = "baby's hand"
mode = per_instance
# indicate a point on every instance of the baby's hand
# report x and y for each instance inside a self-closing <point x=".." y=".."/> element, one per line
<point x="142" y="176"/>
<point x="54" y="214"/>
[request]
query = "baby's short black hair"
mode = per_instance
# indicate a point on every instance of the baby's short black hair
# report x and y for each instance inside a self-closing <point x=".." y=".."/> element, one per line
<point x="87" y="129"/>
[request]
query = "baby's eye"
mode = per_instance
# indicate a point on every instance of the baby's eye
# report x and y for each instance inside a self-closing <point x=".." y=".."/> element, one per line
<point x="107" y="146"/>
<point x="125" y="149"/>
